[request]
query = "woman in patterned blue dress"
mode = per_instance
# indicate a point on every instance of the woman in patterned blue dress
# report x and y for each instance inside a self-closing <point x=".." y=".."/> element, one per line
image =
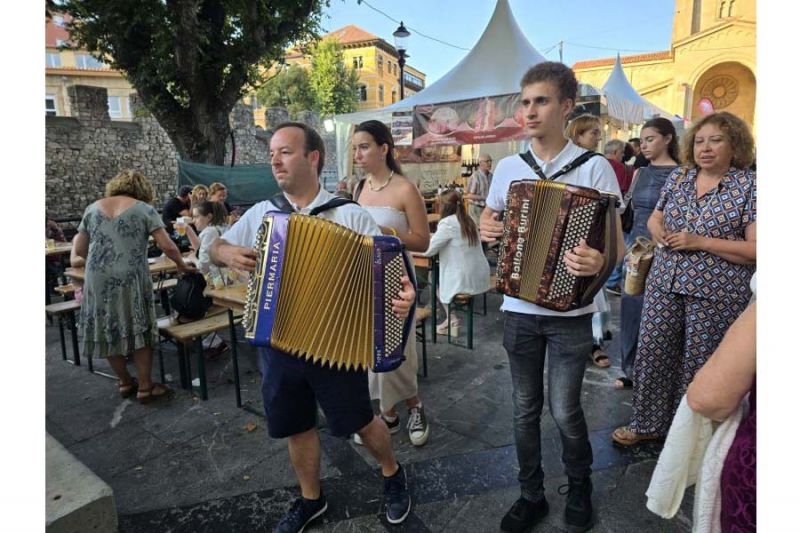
<point x="705" y="227"/>
<point x="118" y="316"/>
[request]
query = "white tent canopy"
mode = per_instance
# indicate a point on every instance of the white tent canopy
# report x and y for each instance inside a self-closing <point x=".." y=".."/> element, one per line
<point x="492" y="67"/>
<point x="624" y="103"/>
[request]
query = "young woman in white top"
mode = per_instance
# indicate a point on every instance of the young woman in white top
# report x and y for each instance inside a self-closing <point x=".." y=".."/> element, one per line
<point x="209" y="219"/>
<point x="397" y="206"/>
<point x="463" y="268"/>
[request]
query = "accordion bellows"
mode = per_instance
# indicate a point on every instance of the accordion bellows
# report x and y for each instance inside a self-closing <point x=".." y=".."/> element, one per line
<point x="323" y="292"/>
<point x="544" y="219"/>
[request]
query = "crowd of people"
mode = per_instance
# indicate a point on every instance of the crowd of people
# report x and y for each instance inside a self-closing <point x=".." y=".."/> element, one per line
<point x="697" y="206"/>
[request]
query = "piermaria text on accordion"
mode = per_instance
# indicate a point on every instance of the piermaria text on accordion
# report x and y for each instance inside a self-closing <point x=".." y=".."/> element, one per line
<point x="271" y="275"/>
<point x="520" y="246"/>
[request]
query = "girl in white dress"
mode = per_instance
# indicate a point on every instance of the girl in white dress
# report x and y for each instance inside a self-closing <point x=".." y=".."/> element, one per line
<point x="397" y="206"/>
<point x="463" y="268"/>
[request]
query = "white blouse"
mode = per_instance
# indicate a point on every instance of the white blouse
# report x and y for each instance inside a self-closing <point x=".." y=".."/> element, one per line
<point x="462" y="268"/>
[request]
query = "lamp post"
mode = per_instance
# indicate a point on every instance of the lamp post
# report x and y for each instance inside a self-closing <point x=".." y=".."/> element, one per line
<point x="400" y="39"/>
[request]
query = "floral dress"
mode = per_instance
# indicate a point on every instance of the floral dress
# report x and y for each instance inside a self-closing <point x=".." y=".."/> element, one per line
<point x="118" y="315"/>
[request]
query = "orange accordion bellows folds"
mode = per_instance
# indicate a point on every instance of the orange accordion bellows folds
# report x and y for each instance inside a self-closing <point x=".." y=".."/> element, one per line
<point x="544" y="219"/>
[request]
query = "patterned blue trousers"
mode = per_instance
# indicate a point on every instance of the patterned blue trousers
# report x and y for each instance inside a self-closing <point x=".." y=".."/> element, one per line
<point x="677" y="335"/>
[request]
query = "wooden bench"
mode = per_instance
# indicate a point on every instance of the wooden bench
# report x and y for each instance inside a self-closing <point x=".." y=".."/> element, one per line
<point x="420" y="316"/>
<point x="466" y="303"/>
<point x="184" y="335"/>
<point x="62" y="310"/>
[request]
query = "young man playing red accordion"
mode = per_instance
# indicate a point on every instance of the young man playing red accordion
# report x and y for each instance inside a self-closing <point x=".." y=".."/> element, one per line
<point x="548" y="96"/>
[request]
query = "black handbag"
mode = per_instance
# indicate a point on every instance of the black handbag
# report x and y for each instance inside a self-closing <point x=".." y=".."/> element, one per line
<point x="627" y="217"/>
<point x="187" y="298"/>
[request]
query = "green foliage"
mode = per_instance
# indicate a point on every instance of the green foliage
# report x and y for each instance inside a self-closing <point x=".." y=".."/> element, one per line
<point x="335" y="86"/>
<point x="289" y="88"/>
<point x="192" y="60"/>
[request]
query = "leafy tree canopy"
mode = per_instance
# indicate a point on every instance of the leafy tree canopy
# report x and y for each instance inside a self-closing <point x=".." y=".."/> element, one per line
<point x="191" y="60"/>
<point x="289" y="88"/>
<point x="334" y="84"/>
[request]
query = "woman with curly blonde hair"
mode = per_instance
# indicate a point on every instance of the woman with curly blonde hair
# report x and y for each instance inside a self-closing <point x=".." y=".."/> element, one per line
<point x="118" y="317"/>
<point x="199" y="195"/>
<point x="705" y="226"/>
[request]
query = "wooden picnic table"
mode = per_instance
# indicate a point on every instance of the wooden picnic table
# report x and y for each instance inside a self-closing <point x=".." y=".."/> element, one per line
<point x="432" y="265"/>
<point x="233" y="297"/>
<point x="61" y="248"/>
<point x="161" y="265"/>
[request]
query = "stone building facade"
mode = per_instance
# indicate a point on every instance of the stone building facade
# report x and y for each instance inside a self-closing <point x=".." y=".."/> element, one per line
<point x="84" y="151"/>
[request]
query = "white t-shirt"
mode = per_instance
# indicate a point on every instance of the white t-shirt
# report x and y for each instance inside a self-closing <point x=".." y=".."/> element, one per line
<point x="243" y="231"/>
<point x="596" y="173"/>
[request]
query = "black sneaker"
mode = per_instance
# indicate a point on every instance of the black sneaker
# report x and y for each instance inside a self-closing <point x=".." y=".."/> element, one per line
<point x="398" y="497"/>
<point x="578" y="513"/>
<point x="524" y="514"/>
<point x="301" y="513"/>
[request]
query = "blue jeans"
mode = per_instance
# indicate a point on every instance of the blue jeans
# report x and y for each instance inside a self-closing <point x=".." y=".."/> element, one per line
<point x="616" y="275"/>
<point x="567" y="341"/>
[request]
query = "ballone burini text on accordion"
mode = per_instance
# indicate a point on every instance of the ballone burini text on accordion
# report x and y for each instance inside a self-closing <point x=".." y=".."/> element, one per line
<point x="323" y="292"/>
<point x="543" y="219"/>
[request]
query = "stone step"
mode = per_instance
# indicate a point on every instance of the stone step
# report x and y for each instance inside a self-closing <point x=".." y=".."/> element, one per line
<point x="77" y="500"/>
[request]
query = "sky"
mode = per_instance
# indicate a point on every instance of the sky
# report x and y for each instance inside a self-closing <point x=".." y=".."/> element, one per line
<point x="627" y="26"/>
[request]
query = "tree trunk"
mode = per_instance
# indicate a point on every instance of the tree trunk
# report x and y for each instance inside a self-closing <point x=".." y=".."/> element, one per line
<point x="200" y="138"/>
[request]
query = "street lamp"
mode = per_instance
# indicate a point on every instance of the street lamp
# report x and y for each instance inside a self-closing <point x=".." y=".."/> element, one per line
<point x="400" y="38"/>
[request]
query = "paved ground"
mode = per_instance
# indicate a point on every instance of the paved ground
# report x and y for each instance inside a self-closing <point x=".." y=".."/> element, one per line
<point x="185" y="465"/>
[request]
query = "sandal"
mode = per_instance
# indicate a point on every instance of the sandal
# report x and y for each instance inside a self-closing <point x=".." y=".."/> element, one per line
<point x="599" y="357"/>
<point x="623" y="383"/>
<point x="126" y="391"/>
<point x="623" y="435"/>
<point x="156" y="391"/>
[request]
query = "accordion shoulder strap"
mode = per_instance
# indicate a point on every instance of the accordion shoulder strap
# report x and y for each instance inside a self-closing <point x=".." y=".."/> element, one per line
<point x="569" y="167"/>
<point x="284" y="206"/>
<point x="609" y="253"/>
<point x="331" y="204"/>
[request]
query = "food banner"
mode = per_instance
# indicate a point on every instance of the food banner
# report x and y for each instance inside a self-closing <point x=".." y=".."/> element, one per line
<point x="430" y="167"/>
<point x="489" y="119"/>
<point x="402" y="128"/>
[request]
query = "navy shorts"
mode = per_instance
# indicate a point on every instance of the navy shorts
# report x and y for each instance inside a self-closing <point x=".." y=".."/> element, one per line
<point x="291" y="388"/>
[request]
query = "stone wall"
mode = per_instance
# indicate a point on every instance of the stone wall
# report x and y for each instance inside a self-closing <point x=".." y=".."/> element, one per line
<point x="84" y="151"/>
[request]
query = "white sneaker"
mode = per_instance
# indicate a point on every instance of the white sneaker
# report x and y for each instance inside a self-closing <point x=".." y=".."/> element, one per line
<point x="418" y="428"/>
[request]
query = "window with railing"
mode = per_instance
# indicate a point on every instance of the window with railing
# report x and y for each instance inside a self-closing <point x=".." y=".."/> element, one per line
<point x="53" y="59"/>
<point x="87" y="61"/>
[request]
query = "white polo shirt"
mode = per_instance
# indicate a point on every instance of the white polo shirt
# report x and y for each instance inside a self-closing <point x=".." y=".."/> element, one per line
<point x="596" y="173"/>
<point x="353" y="216"/>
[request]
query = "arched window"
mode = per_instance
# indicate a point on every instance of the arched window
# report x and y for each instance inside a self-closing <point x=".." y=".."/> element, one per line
<point x="730" y="7"/>
<point x="394" y="95"/>
<point x="380" y="93"/>
<point x="697" y="11"/>
<point x="722" y="9"/>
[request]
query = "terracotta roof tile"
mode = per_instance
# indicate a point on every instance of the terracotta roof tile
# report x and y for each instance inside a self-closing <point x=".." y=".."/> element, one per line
<point x="352" y="34"/>
<point x="608" y="61"/>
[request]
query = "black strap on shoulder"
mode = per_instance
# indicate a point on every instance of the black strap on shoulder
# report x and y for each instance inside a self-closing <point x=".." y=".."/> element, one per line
<point x="283" y="205"/>
<point x="359" y="187"/>
<point x="575" y="163"/>
<point x="280" y="201"/>
<point x="333" y="203"/>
